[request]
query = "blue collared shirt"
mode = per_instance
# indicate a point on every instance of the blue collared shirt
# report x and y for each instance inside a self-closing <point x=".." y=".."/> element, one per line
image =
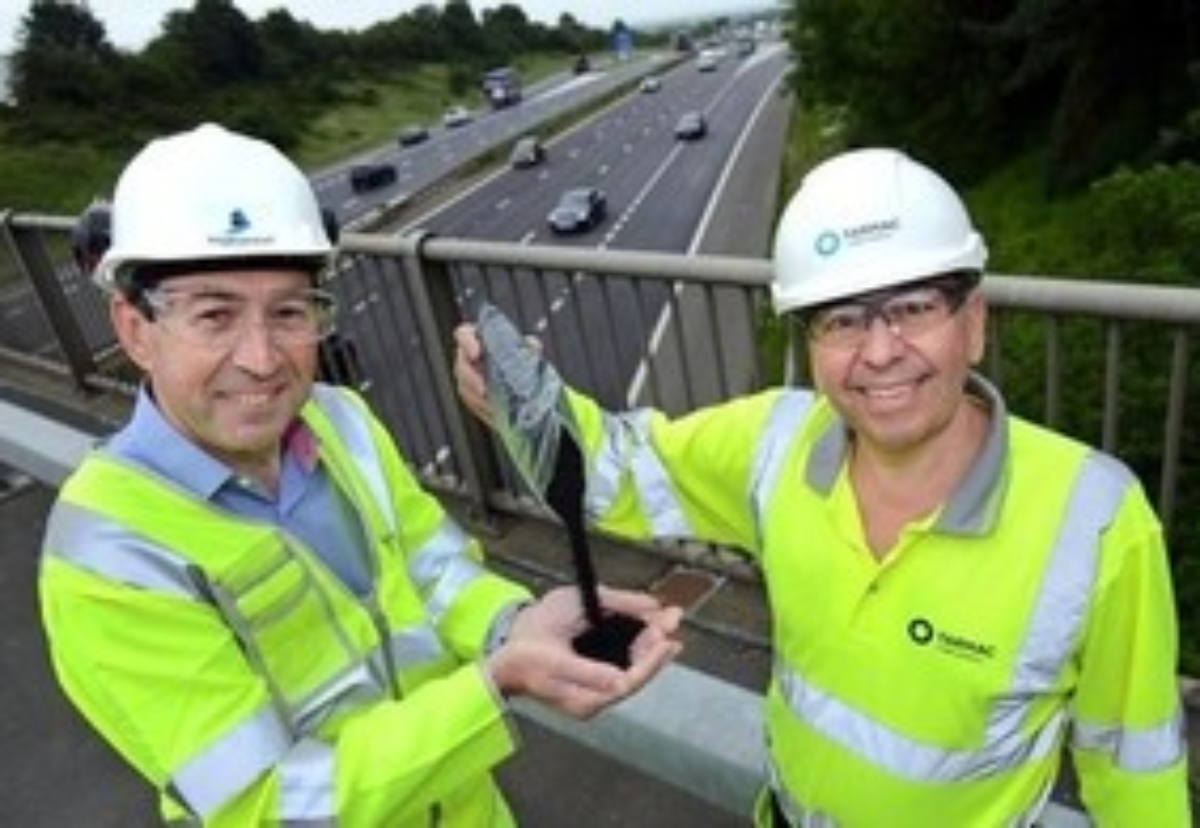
<point x="308" y="505"/>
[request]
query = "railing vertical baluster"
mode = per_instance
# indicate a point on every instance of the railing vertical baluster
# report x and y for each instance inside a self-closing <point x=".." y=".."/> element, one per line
<point x="1053" y="378"/>
<point x="1173" y="428"/>
<point x="1112" y="387"/>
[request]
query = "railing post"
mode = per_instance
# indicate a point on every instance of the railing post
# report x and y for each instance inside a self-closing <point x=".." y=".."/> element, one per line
<point x="437" y="314"/>
<point x="29" y="254"/>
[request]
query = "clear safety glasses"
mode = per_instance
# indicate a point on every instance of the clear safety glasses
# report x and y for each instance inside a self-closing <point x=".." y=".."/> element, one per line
<point x="907" y="313"/>
<point x="217" y="320"/>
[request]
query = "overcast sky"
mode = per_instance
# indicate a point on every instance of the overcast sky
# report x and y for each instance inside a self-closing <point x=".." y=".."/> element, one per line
<point x="130" y="23"/>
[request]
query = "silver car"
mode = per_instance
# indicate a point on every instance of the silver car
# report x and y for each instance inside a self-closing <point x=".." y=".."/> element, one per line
<point x="691" y="126"/>
<point x="527" y="152"/>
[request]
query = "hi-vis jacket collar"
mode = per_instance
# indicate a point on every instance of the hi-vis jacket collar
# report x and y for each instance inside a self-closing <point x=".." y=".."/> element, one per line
<point x="975" y="502"/>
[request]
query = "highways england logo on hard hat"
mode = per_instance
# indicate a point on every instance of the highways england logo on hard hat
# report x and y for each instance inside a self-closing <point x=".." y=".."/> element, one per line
<point x="237" y="232"/>
<point x="239" y="222"/>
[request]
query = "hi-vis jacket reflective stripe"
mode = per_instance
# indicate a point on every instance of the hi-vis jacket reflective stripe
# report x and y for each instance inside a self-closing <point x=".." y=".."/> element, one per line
<point x="244" y="680"/>
<point x="938" y="686"/>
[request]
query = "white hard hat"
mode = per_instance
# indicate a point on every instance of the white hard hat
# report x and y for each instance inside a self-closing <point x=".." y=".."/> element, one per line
<point x="209" y="195"/>
<point x="865" y="220"/>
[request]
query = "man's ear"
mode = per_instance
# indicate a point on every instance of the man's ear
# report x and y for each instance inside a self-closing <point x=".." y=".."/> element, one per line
<point x="133" y="330"/>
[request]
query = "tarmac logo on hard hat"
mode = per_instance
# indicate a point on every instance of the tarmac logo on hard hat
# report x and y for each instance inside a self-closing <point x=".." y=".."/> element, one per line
<point x="871" y="231"/>
<point x="827" y="243"/>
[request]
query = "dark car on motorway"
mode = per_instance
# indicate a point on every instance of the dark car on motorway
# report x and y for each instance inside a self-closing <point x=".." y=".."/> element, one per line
<point x="364" y="177"/>
<point x="578" y="209"/>
<point x="691" y="126"/>
<point x="528" y="151"/>
<point x="412" y="135"/>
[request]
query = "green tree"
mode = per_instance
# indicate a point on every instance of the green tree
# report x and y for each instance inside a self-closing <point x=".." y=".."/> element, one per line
<point x="215" y="41"/>
<point x="62" y="57"/>
<point x="461" y="33"/>
<point x="291" y="48"/>
<point x="506" y="29"/>
<point x="410" y="39"/>
<point x="971" y="83"/>
<point x="1147" y="224"/>
<point x="912" y="73"/>
<point x="1128" y="78"/>
<point x="569" y="35"/>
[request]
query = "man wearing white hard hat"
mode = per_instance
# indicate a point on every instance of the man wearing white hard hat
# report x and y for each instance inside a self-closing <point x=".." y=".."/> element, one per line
<point x="957" y="594"/>
<point x="245" y="590"/>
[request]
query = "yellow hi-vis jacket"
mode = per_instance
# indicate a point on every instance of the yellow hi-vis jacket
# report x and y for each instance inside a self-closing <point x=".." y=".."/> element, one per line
<point x="237" y="673"/>
<point x="937" y="687"/>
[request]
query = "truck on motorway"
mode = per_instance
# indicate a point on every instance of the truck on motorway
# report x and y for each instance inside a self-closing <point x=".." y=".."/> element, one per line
<point x="502" y="86"/>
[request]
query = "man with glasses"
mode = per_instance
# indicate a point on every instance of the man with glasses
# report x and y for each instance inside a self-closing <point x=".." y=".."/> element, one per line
<point x="245" y="590"/>
<point x="957" y="594"/>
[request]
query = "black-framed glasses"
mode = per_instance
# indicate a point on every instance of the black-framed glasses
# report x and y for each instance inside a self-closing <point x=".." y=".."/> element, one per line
<point x="217" y="320"/>
<point x="908" y="313"/>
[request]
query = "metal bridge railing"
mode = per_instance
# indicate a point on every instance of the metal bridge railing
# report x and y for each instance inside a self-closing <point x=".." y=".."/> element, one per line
<point x="1107" y="362"/>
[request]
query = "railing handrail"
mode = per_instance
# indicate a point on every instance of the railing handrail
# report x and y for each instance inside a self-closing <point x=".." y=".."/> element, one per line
<point x="1103" y="298"/>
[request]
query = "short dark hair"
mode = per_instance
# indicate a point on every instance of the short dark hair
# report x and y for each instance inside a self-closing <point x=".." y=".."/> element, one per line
<point x="91" y="235"/>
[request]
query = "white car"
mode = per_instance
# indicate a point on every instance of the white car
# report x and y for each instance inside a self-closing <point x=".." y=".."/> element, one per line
<point x="691" y="126"/>
<point x="708" y="59"/>
<point x="456" y="116"/>
<point x="651" y="83"/>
